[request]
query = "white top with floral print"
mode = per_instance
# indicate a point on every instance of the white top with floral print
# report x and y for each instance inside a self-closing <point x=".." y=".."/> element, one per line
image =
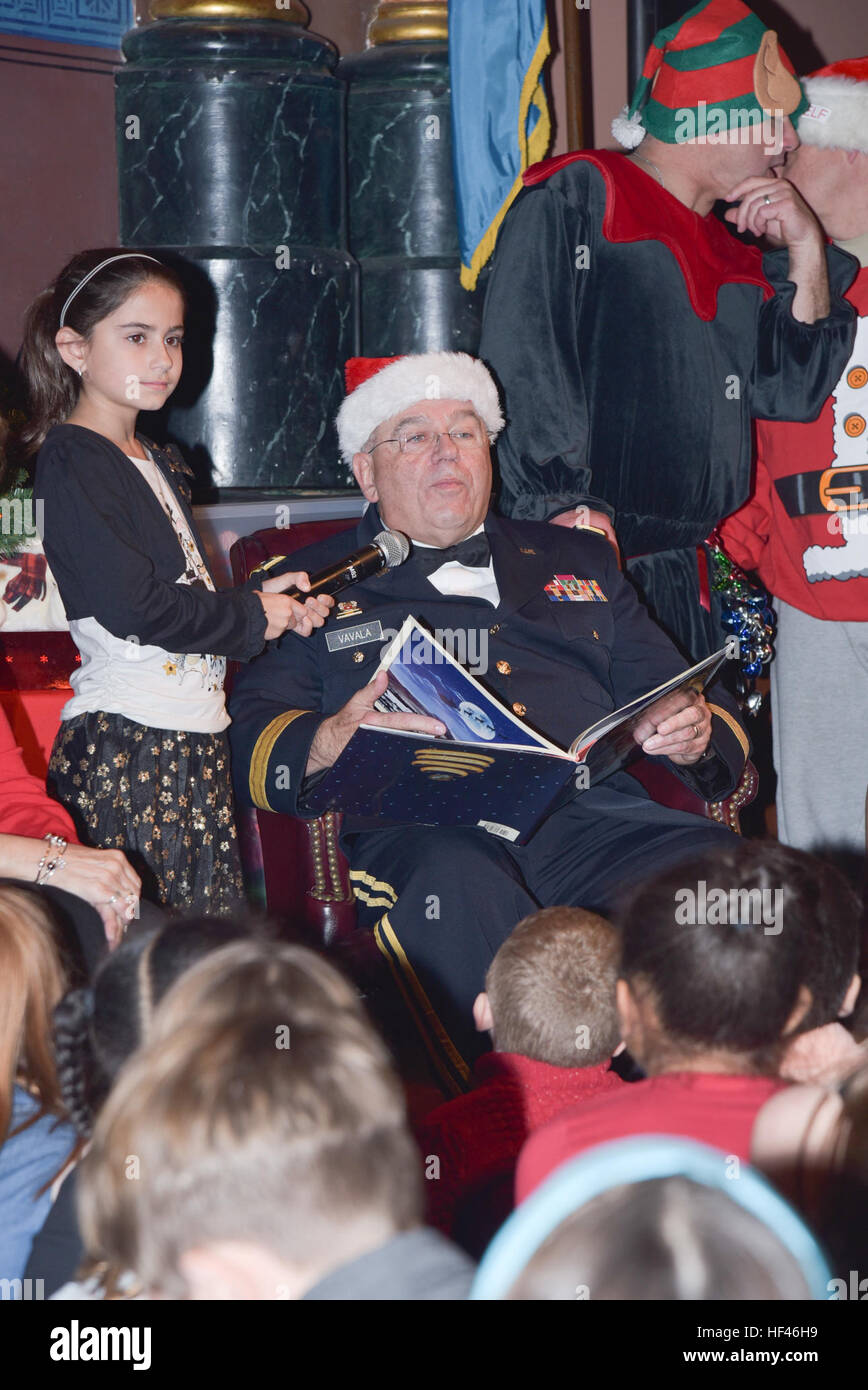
<point x="164" y="690"/>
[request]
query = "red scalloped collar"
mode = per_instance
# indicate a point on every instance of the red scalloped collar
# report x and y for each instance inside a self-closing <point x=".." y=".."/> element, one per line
<point x="639" y="209"/>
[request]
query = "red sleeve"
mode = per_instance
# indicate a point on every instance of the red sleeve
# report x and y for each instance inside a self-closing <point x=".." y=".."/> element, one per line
<point x="593" y="1122"/>
<point x="26" y="807"/>
<point x="541" y="1154"/>
<point x="745" y="534"/>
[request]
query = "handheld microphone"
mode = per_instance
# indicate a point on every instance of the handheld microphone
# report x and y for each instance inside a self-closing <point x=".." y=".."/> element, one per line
<point x="388" y="549"/>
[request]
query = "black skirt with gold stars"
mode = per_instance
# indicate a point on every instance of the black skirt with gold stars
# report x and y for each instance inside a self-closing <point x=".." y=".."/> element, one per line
<point x="161" y="796"/>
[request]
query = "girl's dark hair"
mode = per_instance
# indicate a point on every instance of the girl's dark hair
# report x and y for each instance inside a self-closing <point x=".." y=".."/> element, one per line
<point x="731" y="982"/>
<point x="96" y="1029"/>
<point x="52" y="386"/>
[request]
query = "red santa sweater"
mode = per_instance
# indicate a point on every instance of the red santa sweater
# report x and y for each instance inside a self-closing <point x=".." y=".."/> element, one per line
<point x="26" y="807"/>
<point x="476" y="1138"/>
<point x="805" y="529"/>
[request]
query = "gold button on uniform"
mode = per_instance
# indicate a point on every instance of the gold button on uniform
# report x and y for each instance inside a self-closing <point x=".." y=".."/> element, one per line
<point x="519" y="709"/>
<point x="358" y="657"/>
<point x="596" y="635"/>
<point x="504" y="668"/>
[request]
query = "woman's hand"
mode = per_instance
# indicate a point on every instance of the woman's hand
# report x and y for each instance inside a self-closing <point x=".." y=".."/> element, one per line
<point x="105" y="879"/>
<point x="102" y="877"/>
<point x="285" y="614"/>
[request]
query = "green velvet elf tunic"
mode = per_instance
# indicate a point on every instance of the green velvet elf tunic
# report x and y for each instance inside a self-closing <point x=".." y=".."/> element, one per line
<point x="634" y="342"/>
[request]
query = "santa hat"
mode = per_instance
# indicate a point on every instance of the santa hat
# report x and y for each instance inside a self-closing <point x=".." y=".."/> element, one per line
<point x="378" y="387"/>
<point x="719" y="60"/>
<point x="837" y="117"/>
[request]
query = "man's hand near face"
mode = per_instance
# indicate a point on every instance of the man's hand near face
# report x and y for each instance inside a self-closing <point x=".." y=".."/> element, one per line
<point x="678" y="727"/>
<point x="772" y="207"/>
<point x="334" y="733"/>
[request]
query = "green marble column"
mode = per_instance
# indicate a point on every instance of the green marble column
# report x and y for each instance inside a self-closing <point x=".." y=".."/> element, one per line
<point x="230" y="129"/>
<point x="402" y="223"/>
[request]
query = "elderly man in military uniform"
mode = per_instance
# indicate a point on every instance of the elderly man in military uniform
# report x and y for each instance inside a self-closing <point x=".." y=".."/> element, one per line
<point x="441" y="900"/>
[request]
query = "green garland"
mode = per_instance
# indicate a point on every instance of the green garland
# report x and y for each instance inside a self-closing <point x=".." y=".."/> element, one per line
<point x="16" y="509"/>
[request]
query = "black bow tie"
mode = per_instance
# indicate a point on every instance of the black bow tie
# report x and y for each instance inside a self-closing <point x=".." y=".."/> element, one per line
<point x="475" y="552"/>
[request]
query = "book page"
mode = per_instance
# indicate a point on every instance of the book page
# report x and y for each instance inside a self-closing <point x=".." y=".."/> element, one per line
<point x="607" y="744"/>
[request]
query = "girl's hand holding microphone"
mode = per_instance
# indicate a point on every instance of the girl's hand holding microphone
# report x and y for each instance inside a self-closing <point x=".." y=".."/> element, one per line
<point x="285" y="614"/>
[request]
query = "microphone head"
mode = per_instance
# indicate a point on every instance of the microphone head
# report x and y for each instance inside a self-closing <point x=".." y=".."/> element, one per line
<point x="393" y="546"/>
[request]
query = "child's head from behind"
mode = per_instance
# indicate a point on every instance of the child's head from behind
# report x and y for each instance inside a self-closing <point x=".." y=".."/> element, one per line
<point x="550" y="990"/>
<point x="96" y="1028"/>
<point x="107" y="332"/>
<point x="269" y="1129"/>
<point x="729" y="954"/>
<point x="664" y="1239"/>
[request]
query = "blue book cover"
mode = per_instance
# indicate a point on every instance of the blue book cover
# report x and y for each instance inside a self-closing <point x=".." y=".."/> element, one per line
<point x="489" y="770"/>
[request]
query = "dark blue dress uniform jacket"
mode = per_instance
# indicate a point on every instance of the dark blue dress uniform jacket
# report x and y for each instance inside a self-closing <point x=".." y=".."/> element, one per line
<point x="559" y="665"/>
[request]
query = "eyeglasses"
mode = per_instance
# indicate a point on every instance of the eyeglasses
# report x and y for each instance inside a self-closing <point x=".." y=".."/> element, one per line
<point x="418" y="442"/>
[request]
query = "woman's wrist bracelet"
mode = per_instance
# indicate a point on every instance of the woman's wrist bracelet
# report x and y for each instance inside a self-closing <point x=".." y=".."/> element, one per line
<point x="51" y="861"/>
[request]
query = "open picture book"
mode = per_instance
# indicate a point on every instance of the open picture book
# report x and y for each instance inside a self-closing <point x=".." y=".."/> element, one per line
<point x="489" y="770"/>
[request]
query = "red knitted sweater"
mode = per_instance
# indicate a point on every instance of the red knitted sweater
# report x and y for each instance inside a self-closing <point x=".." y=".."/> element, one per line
<point x="476" y="1138"/>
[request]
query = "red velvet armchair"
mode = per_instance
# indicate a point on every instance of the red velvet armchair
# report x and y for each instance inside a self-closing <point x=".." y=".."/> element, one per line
<point x="305" y="874"/>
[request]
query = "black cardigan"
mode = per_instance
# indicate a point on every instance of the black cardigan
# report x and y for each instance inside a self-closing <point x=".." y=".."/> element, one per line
<point x="115" y="555"/>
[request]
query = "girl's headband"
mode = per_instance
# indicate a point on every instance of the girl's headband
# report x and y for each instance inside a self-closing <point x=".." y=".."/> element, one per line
<point x="125" y="256"/>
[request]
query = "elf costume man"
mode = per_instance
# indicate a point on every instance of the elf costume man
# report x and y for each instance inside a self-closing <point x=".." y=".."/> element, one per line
<point x="635" y="337"/>
<point x="805" y="529"/>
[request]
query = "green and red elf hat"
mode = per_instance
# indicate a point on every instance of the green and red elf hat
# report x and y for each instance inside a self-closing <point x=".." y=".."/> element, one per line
<point x="718" y="68"/>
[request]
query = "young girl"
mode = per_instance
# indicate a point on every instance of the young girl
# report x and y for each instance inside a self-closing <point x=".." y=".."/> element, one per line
<point x="141" y="760"/>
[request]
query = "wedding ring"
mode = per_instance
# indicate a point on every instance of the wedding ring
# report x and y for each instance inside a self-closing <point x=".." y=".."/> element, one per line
<point x="695" y="730"/>
<point x="113" y="899"/>
<point x="767" y="199"/>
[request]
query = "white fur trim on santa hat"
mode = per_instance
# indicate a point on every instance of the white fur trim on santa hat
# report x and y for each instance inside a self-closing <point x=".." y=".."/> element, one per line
<point x="423" y="376"/>
<point x="628" y="130"/>
<point x="838" y="115"/>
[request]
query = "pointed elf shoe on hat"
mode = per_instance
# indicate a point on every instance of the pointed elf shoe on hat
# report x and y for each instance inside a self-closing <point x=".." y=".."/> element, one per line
<point x="837" y="118"/>
<point x="716" y="69"/>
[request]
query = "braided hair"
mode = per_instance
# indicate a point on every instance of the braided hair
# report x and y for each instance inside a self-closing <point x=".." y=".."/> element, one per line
<point x="97" y="1028"/>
